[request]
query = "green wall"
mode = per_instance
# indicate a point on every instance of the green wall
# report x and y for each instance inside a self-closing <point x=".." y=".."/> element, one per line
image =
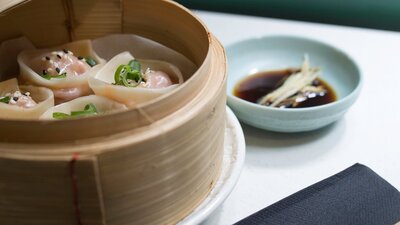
<point x="380" y="14"/>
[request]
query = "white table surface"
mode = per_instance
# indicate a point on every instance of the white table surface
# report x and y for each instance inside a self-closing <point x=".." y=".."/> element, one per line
<point x="278" y="165"/>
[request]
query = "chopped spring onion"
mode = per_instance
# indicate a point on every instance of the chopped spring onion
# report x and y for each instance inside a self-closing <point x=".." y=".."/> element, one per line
<point x="89" y="110"/>
<point x="129" y="75"/>
<point x="90" y="61"/>
<point x="135" y="65"/>
<point x="60" y="115"/>
<point x="5" y="99"/>
<point x="48" y="77"/>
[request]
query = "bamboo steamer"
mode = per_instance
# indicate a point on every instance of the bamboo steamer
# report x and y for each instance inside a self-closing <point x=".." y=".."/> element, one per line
<point x="150" y="165"/>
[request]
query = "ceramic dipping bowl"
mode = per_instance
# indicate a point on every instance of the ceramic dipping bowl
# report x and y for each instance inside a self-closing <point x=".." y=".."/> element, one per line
<point x="280" y="52"/>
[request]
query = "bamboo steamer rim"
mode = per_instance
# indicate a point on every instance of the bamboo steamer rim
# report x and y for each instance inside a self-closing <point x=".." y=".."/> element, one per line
<point x="103" y="121"/>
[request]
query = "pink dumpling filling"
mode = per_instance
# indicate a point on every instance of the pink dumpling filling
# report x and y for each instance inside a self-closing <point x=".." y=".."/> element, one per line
<point x="156" y="79"/>
<point x="26" y="102"/>
<point x="60" y="62"/>
<point x="21" y="100"/>
<point x="68" y="94"/>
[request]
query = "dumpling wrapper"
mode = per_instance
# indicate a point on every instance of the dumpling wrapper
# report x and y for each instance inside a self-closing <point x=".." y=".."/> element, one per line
<point x="142" y="48"/>
<point x="64" y="89"/>
<point x="103" y="106"/>
<point x="102" y="85"/>
<point x="42" y="96"/>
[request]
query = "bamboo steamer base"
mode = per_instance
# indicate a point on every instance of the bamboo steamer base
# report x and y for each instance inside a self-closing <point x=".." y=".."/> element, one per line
<point x="233" y="160"/>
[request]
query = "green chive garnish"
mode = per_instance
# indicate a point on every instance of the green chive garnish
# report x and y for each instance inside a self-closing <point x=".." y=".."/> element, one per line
<point x="60" y="115"/>
<point x="48" y="77"/>
<point x="129" y="75"/>
<point x="135" y="65"/>
<point x="89" y="110"/>
<point x="90" y="61"/>
<point x="5" y="99"/>
<point x="122" y="70"/>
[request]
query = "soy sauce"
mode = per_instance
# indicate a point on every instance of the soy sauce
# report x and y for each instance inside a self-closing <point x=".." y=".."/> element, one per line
<point x="256" y="86"/>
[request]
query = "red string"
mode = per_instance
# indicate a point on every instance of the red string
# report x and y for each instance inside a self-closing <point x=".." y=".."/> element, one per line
<point x="74" y="185"/>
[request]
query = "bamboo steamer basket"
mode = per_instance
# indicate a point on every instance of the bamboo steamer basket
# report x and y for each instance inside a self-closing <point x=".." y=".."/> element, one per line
<point x="155" y="168"/>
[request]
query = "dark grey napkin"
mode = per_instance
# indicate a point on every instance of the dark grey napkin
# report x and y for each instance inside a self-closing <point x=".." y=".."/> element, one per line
<point x="354" y="196"/>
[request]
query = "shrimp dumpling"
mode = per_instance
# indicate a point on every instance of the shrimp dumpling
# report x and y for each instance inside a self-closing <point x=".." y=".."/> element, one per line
<point x="133" y="81"/>
<point x="23" y="102"/>
<point x="64" y="69"/>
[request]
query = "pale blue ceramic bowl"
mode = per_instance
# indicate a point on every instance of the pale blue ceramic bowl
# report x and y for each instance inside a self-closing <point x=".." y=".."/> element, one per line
<point x="278" y="52"/>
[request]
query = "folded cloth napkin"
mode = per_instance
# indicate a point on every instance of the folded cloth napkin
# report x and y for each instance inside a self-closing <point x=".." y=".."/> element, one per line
<point x="354" y="196"/>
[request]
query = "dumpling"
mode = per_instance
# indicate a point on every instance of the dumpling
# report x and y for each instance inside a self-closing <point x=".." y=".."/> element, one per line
<point x="23" y="102"/>
<point x="64" y="69"/>
<point x="132" y="81"/>
<point x="82" y="107"/>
